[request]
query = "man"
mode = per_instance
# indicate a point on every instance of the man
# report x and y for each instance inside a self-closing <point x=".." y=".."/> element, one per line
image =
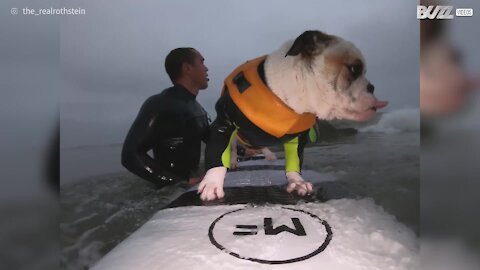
<point x="172" y="124"/>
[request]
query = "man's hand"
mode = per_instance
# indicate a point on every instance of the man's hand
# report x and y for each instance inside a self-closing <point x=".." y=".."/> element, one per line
<point x="296" y="183"/>
<point x="211" y="187"/>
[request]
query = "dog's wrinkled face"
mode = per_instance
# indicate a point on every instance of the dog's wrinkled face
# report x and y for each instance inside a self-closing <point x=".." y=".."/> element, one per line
<point x="334" y="71"/>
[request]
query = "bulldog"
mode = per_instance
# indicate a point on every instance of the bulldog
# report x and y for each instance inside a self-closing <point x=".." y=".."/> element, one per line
<point x="275" y="99"/>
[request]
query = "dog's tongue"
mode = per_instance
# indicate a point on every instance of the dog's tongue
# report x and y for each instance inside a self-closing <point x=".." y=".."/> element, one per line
<point x="380" y="104"/>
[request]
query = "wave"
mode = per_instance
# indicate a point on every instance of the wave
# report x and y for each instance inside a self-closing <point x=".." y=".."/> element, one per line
<point x="402" y="120"/>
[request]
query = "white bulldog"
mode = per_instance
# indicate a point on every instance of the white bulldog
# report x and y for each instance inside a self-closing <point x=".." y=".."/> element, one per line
<point x="275" y="99"/>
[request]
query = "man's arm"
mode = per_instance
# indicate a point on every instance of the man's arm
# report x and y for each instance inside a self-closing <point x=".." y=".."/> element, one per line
<point x="140" y="139"/>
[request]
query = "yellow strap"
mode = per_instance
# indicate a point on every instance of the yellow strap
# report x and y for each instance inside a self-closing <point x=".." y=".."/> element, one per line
<point x="312" y="134"/>
<point x="227" y="153"/>
<point x="292" y="162"/>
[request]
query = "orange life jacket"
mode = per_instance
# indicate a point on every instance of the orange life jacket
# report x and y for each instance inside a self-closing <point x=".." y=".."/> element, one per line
<point x="261" y="106"/>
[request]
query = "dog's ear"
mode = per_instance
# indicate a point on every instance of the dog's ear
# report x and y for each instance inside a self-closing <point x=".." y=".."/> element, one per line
<point x="310" y="43"/>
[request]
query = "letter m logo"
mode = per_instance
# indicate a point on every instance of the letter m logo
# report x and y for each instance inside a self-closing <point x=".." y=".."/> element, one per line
<point x="269" y="230"/>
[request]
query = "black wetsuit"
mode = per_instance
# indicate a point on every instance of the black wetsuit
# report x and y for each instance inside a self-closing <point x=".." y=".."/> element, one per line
<point x="172" y="124"/>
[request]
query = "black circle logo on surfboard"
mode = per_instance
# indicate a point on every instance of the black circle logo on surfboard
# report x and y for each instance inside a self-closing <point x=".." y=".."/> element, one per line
<point x="270" y="235"/>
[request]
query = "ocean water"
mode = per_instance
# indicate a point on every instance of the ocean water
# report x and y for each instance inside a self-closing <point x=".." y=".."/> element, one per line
<point x="101" y="203"/>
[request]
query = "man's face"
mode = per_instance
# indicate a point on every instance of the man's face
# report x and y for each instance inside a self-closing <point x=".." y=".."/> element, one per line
<point x="198" y="72"/>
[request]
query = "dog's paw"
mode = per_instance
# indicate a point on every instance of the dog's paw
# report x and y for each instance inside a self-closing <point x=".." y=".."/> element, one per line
<point x="269" y="155"/>
<point x="211" y="187"/>
<point x="297" y="184"/>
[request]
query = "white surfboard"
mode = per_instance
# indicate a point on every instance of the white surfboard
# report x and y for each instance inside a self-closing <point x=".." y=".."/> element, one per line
<point x="260" y="226"/>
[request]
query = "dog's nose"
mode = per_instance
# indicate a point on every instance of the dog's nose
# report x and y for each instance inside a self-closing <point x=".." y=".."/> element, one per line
<point x="370" y="88"/>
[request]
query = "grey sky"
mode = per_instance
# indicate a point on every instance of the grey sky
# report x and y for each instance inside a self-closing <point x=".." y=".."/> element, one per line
<point x="113" y="56"/>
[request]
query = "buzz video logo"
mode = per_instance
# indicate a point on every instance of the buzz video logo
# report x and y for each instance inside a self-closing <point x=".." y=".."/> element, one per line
<point x="441" y="12"/>
<point x="270" y="235"/>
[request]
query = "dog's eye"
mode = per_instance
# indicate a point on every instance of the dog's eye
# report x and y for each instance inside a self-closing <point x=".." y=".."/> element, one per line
<point x="355" y="70"/>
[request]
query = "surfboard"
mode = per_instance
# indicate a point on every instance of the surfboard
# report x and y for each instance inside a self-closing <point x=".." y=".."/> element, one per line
<point x="258" y="225"/>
